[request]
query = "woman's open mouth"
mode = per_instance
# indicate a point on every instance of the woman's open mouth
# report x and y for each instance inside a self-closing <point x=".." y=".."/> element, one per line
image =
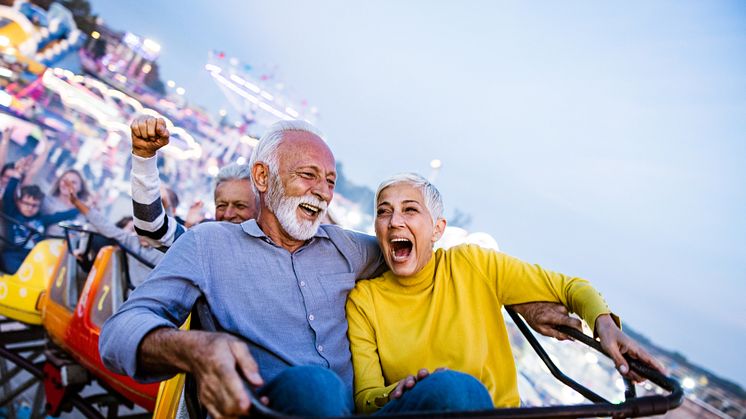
<point x="400" y="249"/>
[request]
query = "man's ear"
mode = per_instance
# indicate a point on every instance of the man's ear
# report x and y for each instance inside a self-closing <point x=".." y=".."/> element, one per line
<point x="440" y="227"/>
<point x="260" y="174"/>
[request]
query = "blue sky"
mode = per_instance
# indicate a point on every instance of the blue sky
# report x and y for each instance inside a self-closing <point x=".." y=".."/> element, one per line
<point x="606" y="140"/>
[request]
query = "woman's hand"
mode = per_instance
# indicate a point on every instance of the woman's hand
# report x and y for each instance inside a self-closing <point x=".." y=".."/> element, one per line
<point x="409" y="382"/>
<point x="616" y="343"/>
<point x="68" y="189"/>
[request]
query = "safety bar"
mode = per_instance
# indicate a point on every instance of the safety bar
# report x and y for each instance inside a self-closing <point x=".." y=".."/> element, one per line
<point x="79" y="228"/>
<point x="31" y="232"/>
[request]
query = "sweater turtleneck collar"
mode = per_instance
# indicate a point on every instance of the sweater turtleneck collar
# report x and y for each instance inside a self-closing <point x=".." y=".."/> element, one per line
<point x="418" y="281"/>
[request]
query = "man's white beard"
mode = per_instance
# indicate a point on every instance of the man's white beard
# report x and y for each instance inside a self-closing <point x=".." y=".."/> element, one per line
<point x="285" y="207"/>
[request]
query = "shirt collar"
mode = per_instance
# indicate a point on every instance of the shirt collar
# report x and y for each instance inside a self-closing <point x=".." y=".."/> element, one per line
<point x="251" y="228"/>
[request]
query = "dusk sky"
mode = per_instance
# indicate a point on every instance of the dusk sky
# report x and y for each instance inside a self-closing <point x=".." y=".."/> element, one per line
<point x="603" y="140"/>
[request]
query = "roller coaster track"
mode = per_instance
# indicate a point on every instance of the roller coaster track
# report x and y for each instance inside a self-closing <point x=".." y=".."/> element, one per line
<point x="24" y="349"/>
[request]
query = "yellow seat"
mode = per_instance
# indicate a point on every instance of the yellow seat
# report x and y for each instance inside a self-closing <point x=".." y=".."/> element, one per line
<point x="20" y="292"/>
<point x="170" y="391"/>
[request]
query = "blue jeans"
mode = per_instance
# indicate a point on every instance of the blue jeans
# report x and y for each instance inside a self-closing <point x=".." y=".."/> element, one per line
<point x="441" y="392"/>
<point x="308" y="391"/>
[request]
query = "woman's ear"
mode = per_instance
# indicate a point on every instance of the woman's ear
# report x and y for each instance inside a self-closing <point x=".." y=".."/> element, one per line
<point x="260" y="174"/>
<point x="440" y="227"/>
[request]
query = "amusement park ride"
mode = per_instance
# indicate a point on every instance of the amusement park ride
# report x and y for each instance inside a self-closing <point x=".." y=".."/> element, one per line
<point x="53" y="307"/>
<point x="52" y="310"/>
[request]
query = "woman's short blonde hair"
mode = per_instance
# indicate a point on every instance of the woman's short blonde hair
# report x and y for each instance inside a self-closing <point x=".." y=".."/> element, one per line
<point x="433" y="199"/>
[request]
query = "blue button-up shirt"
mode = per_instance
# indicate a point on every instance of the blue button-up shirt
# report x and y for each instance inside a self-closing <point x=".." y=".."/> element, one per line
<point x="292" y="305"/>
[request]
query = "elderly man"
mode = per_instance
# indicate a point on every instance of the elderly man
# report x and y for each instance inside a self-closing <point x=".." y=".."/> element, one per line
<point x="280" y="281"/>
<point x="235" y="201"/>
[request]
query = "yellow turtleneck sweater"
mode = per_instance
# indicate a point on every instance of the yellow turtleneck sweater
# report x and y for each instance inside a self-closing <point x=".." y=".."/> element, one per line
<point x="449" y="315"/>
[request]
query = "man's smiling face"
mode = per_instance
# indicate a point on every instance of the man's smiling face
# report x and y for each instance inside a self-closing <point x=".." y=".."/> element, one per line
<point x="302" y="186"/>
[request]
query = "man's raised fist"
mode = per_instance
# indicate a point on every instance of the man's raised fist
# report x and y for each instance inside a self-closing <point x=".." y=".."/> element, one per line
<point x="149" y="134"/>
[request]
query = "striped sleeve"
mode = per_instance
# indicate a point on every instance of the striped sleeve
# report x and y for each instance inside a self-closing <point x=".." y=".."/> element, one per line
<point x="150" y="219"/>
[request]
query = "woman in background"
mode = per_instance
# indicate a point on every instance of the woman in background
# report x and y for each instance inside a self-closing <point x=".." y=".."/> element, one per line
<point x="71" y="181"/>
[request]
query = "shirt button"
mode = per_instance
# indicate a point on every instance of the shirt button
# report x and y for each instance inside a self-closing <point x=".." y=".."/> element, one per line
<point x="320" y="348"/>
<point x="311" y="317"/>
<point x="302" y="283"/>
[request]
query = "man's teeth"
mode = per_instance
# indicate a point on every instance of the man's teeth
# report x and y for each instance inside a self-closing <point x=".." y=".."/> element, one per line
<point x="310" y="207"/>
<point x="399" y="240"/>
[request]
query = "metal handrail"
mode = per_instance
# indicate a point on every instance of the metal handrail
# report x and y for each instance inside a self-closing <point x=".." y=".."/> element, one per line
<point x="31" y="232"/>
<point x="77" y="227"/>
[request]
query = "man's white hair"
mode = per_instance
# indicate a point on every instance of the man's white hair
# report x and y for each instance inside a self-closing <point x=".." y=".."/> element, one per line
<point x="233" y="171"/>
<point x="433" y="200"/>
<point x="266" y="150"/>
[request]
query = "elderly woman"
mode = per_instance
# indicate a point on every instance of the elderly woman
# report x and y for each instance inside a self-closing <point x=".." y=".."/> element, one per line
<point x="442" y="309"/>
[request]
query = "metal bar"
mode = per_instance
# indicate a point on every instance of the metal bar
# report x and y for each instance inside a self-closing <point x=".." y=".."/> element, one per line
<point x="656" y="377"/>
<point x="86" y="409"/>
<point x="8" y="398"/>
<point x="35" y="371"/>
<point x="15" y="336"/>
<point x="584" y="391"/>
<point x="6" y="388"/>
<point x="8" y="375"/>
<point x="37" y="407"/>
<point x="36" y="350"/>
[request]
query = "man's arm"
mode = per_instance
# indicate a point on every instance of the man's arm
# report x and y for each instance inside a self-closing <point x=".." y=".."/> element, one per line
<point x="149" y="134"/>
<point x="5" y="144"/>
<point x="141" y="339"/>
<point x="105" y="228"/>
<point x="38" y="162"/>
<point x="164" y="300"/>
<point x="56" y="217"/>
<point x="213" y="358"/>
<point x="9" y="203"/>
<point x="362" y="249"/>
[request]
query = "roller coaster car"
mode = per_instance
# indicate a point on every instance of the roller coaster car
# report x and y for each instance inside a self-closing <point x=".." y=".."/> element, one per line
<point x="632" y="406"/>
<point x="20" y="291"/>
<point x="78" y="302"/>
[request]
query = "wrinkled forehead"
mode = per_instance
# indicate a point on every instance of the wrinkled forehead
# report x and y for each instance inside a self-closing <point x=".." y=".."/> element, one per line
<point x="301" y="148"/>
